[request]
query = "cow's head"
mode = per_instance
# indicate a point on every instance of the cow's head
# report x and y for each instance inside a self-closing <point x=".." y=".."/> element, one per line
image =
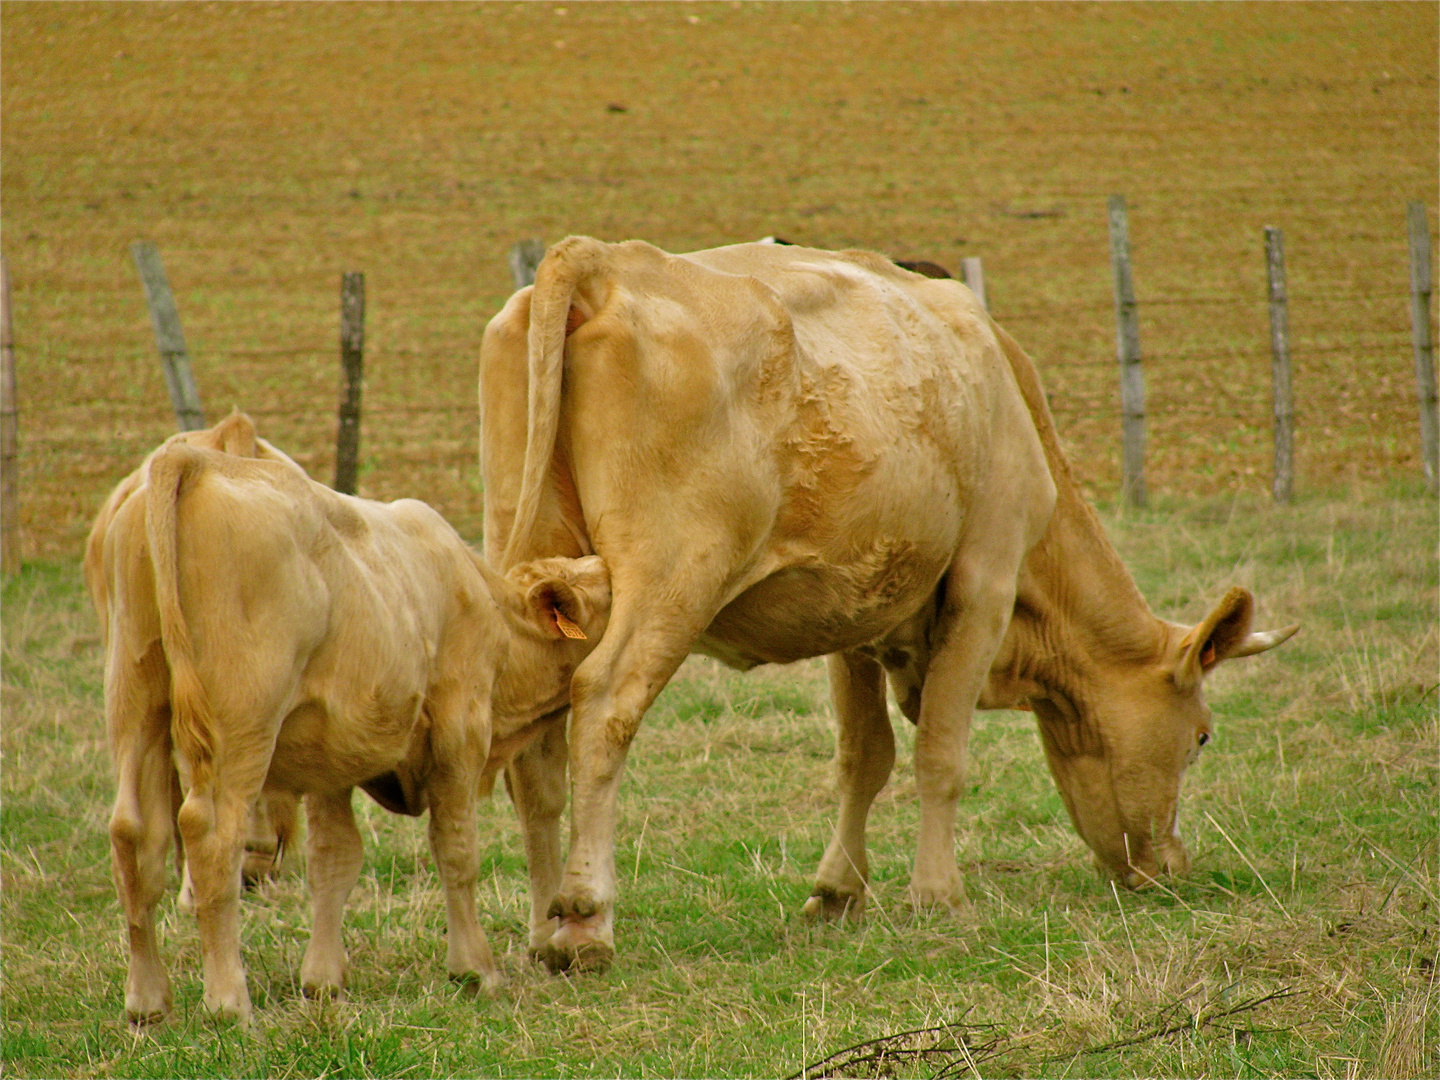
<point x="1119" y="743"/>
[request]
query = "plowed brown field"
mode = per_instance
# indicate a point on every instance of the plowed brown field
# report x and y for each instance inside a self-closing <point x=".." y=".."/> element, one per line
<point x="269" y="148"/>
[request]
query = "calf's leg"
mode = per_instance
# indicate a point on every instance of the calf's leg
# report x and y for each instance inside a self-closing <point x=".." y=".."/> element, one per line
<point x="141" y="825"/>
<point x="864" y="757"/>
<point x="454" y="843"/>
<point x="270" y="828"/>
<point x="212" y="824"/>
<point x="536" y="782"/>
<point x="336" y="853"/>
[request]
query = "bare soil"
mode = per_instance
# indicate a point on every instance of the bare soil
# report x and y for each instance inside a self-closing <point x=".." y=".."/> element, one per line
<point x="269" y="148"/>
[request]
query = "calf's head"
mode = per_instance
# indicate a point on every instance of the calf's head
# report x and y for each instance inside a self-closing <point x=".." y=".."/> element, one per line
<point x="1119" y="743"/>
<point x="571" y="597"/>
<point x="557" y="610"/>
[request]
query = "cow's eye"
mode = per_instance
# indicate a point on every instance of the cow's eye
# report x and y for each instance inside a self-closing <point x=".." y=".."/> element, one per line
<point x="1204" y="737"/>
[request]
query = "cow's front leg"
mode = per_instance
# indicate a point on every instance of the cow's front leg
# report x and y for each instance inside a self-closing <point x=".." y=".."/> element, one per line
<point x="865" y="754"/>
<point x="335" y="855"/>
<point x="536" y="782"/>
<point x="274" y="821"/>
<point x="609" y="695"/>
<point x="454" y="843"/>
<point x="979" y="599"/>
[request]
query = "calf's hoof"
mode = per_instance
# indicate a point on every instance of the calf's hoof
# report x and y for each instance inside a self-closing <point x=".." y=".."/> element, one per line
<point x="322" y="977"/>
<point x="140" y="1019"/>
<point x="258" y="867"/>
<point x="828" y="905"/>
<point x="322" y="991"/>
<point x="582" y="940"/>
<point x="146" y="1008"/>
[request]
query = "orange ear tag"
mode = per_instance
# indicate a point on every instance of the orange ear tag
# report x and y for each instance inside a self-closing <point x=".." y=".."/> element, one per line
<point x="567" y="627"/>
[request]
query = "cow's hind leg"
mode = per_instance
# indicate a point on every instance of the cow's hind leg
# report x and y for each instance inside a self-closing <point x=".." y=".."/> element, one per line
<point x="865" y="754"/>
<point x="609" y="695"/>
<point x="336" y="853"/>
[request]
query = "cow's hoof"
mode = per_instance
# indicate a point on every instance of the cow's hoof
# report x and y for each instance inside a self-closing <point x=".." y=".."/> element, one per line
<point x="949" y="898"/>
<point x="232" y="1011"/>
<point x="828" y="905"/>
<point x="563" y="954"/>
<point x="258" y="867"/>
<point x="479" y="983"/>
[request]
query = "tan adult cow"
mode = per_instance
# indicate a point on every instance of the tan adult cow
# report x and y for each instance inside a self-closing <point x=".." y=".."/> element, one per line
<point x="783" y="452"/>
<point x="267" y="634"/>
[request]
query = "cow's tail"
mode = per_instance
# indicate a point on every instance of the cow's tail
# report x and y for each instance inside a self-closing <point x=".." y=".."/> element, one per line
<point x="565" y="265"/>
<point x="192" y="723"/>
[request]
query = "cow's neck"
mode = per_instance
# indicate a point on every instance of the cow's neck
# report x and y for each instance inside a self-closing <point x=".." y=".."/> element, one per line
<point x="1078" y="612"/>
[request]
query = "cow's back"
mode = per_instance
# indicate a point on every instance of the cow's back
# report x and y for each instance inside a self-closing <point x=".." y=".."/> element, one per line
<point x="820" y="422"/>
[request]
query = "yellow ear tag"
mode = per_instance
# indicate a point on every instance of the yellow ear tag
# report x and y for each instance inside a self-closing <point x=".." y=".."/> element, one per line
<point x="567" y="627"/>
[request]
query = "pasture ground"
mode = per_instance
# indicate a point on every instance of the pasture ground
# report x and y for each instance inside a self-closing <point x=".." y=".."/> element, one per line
<point x="269" y="148"/>
<point x="1311" y="819"/>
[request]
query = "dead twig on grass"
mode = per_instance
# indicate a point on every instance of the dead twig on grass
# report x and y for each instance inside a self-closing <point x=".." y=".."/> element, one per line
<point x="1165" y="1024"/>
<point x="956" y="1047"/>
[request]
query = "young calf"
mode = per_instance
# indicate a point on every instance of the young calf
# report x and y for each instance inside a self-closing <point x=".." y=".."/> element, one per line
<point x="275" y="820"/>
<point x="266" y="634"/>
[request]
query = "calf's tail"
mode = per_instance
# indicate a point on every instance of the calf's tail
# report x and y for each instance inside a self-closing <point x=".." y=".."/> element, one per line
<point x="192" y="724"/>
<point x="564" y="267"/>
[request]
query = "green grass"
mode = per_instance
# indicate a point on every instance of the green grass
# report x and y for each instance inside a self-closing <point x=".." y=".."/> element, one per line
<point x="1311" y="819"/>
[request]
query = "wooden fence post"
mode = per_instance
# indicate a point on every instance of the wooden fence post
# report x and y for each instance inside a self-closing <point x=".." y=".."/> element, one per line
<point x="168" y="337"/>
<point x="973" y="274"/>
<point x="1420" y="289"/>
<point x="352" y="365"/>
<point x="524" y="258"/>
<point x="1132" y="381"/>
<point x="9" y="437"/>
<point x="1283" y="485"/>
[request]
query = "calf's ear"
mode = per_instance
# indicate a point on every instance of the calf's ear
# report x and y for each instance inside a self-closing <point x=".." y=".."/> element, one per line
<point x="236" y="435"/>
<point x="559" y="607"/>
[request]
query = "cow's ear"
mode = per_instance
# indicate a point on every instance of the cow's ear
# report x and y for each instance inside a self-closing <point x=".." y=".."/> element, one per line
<point x="559" y="606"/>
<point x="1217" y="637"/>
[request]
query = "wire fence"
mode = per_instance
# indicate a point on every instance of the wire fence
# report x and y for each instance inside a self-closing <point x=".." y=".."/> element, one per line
<point x="1205" y="355"/>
